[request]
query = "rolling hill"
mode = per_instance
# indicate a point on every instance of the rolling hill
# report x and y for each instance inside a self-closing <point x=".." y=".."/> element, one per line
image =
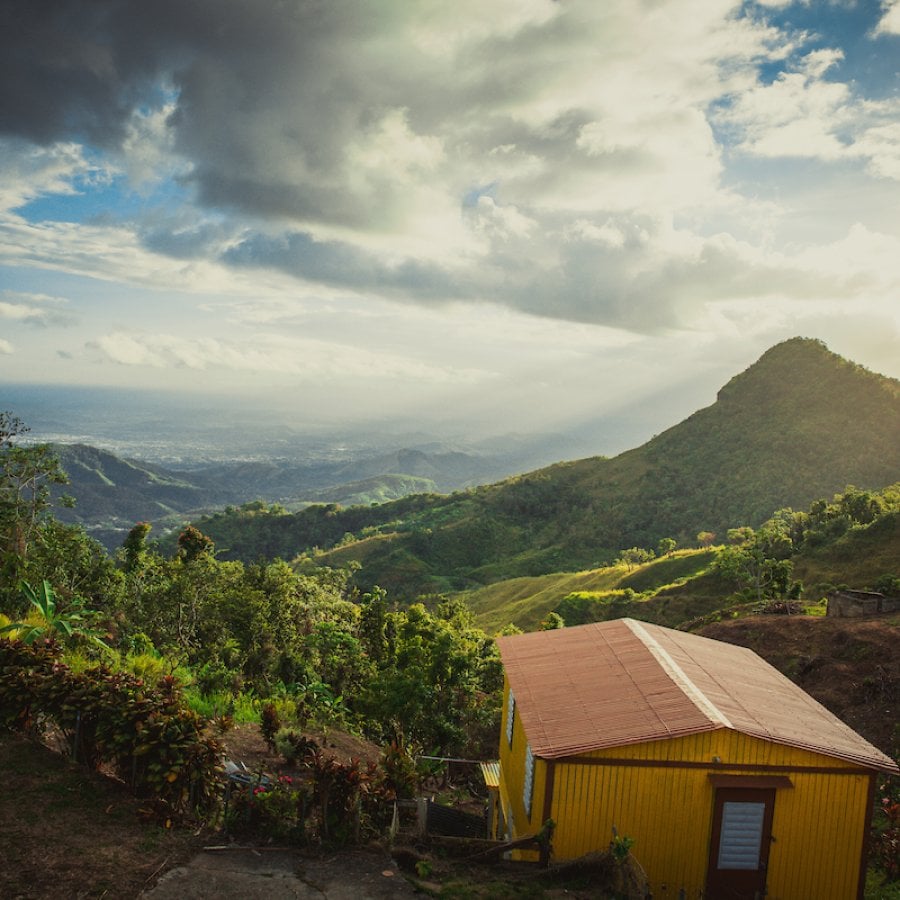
<point x="113" y="493"/>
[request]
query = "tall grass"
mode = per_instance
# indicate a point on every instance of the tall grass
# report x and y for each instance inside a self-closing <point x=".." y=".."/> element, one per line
<point x="242" y="708"/>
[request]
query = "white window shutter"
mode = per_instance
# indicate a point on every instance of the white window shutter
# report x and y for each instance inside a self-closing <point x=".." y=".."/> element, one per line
<point x="529" y="780"/>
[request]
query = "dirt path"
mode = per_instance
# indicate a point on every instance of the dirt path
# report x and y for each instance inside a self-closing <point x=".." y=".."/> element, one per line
<point x="248" y="874"/>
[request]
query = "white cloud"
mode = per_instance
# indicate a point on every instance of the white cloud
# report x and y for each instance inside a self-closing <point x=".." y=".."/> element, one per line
<point x="798" y="114"/>
<point x="307" y="358"/>
<point x="28" y="172"/>
<point x="6" y="347"/>
<point x="803" y="114"/>
<point x="20" y="312"/>
<point x="890" y="18"/>
<point x="17" y="306"/>
<point x="147" y="155"/>
<point x="880" y="145"/>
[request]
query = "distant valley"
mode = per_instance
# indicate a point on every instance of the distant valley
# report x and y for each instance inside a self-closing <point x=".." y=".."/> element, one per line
<point x="800" y="424"/>
<point x="112" y="493"/>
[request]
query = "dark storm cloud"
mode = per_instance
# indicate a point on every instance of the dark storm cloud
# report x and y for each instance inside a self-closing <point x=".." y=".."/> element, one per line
<point x="533" y="154"/>
<point x="343" y="265"/>
<point x="275" y="101"/>
<point x="71" y="70"/>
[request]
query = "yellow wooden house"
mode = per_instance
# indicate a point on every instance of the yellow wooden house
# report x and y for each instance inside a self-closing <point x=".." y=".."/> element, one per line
<point x="731" y="780"/>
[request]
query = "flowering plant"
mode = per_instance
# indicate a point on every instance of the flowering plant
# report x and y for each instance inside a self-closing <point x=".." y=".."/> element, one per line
<point x="275" y="810"/>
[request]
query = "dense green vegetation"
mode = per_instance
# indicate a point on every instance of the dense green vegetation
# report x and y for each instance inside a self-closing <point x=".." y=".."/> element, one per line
<point x="382" y="624"/>
<point x="233" y="630"/>
<point x="853" y="539"/>
<point x="800" y="424"/>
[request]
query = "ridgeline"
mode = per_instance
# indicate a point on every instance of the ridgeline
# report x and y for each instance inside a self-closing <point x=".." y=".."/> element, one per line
<point x="801" y="423"/>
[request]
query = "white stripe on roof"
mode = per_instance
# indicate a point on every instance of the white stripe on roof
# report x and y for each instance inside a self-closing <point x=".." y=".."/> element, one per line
<point x="678" y="675"/>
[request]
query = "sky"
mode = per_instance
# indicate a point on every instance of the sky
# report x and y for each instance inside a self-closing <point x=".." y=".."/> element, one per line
<point x="514" y="215"/>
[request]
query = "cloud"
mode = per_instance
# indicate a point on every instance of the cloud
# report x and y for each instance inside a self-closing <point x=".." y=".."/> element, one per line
<point x="569" y="160"/>
<point x="147" y="148"/>
<point x="6" y="347"/>
<point x="348" y="116"/>
<point x="261" y="354"/>
<point x="33" y="309"/>
<point x="28" y="171"/>
<point x="890" y="18"/>
<point x="804" y="114"/>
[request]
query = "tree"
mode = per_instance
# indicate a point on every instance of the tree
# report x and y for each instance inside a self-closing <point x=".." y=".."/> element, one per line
<point x="705" y="538"/>
<point x="135" y="546"/>
<point x="634" y="556"/>
<point x="26" y="477"/>
<point x="552" y="621"/>
<point x="861" y="507"/>
<point x="666" y="546"/>
<point x="742" y="535"/>
<point x="193" y="544"/>
<point x="749" y="566"/>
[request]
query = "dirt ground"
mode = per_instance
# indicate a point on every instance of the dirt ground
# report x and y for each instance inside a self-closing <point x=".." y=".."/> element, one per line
<point x="68" y="834"/>
<point x="244" y="743"/>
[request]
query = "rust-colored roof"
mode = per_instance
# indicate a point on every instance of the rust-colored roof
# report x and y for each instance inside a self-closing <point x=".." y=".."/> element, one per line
<point x="609" y="684"/>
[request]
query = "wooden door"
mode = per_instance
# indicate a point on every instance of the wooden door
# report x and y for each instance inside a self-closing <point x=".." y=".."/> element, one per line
<point x="739" y="845"/>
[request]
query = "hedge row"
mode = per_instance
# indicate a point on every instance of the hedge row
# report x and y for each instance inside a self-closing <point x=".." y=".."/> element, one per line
<point x="144" y="734"/>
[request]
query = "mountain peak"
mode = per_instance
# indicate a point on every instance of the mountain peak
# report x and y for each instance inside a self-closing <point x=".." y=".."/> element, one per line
<point x="801" y="369"/>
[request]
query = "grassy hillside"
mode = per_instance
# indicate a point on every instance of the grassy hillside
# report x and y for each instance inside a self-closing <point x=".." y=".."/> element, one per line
<point x="687" y="586"/>
<point x="591" y="595"/>
<point x="857" y="558"/>
<point x="783" y="433"/>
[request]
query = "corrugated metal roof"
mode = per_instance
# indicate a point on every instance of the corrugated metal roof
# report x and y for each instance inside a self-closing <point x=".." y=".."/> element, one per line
<point x="609" y="684"/>
<point x="491" y="773"/>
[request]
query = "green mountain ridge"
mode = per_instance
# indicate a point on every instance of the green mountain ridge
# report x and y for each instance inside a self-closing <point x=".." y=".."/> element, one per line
<point x="113" y="493"/>
<point x="800" y="424"/>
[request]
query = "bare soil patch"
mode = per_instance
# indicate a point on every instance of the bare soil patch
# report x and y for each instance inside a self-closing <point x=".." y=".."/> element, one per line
<point x="244" y="743"/>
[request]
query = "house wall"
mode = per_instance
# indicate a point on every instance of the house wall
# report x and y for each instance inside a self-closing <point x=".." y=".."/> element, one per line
<point x="512" y="782"/>
<point x="660" y="794"/>
<point x="854" y="604"/>
<point x="818" y="828"/>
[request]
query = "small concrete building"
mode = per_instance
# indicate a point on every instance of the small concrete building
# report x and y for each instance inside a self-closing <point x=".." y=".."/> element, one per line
<point x="856" y="604"/>
<point x="731" y="780"/>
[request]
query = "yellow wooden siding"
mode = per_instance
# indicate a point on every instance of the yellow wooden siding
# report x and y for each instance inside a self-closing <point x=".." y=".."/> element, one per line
<point x="818" y="824"/>
<point x="512" y="781"/>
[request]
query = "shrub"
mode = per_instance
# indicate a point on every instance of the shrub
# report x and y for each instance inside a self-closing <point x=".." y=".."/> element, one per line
<point x="146" y="734"/>
<point x="269" y="724"/>
<point x="294" y="746"/>
<point x="886" y="836"/>
<point x="399" y="772"/>
<point x="277" y="810"/>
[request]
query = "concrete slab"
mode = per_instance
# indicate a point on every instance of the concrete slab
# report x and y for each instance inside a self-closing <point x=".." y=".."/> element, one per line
<point x="247" y="874"/>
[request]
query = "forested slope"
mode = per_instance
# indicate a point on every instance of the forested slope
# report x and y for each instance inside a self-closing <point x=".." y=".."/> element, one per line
<point x="799" y="424"/>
